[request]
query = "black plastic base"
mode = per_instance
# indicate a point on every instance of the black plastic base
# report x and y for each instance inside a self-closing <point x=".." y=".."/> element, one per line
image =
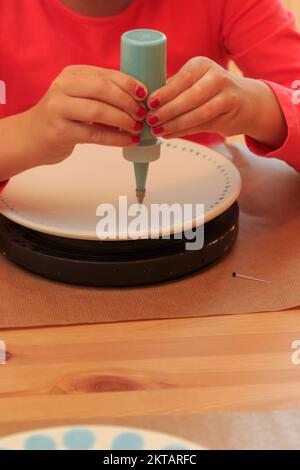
<point x="115" y="263"/>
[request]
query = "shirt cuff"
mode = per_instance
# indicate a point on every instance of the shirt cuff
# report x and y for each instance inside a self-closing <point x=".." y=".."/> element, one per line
<point x="290" y="150"/>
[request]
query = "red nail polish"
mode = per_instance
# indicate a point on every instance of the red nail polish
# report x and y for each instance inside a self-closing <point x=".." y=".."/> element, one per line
<point x="140" y="92"/>
<point x="158" y="130"/>
<point x="141" y="112"/>
<point x="139" y="126"/>
<point x="154" y="103"/>
<point x="153" y="119"/>
<point x="136" y="139"/>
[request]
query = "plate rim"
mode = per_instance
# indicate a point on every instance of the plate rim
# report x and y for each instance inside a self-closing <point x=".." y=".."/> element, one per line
<point x="97" y="428"/>
<point x="19" y="219"/>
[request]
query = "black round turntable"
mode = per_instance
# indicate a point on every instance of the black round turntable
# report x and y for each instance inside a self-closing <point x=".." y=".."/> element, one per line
<point x="49" y="216"/>
<point x="116" y="263"/>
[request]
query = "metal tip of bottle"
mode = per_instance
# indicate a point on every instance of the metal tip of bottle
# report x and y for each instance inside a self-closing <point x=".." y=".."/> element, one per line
<point x="140" y="196"/>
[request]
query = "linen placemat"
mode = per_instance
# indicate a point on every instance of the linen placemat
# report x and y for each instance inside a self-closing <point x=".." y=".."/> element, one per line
<point x="268" y="247"/>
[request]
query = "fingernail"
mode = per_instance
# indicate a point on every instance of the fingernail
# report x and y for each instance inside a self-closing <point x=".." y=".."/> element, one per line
<point x="154" y="103"/>
<point x="136" y="139"/>
<point x="158" y="130"/>
<point x="152" y="119"/>
<point x="139" y="126"/>
<point x="141" y="112"/>
<point x="140" y="92"/>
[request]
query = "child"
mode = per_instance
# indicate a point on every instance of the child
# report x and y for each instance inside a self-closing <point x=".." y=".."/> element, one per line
<point x="60" y="60"/>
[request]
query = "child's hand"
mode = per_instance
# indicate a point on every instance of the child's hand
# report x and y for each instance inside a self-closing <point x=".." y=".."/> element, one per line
<point x="204" y="97"/>
<point x="85" y="105"/>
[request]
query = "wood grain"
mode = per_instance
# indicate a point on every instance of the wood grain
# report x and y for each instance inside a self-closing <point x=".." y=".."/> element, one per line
<point x="158" y="368"/>
<point x="153" y="368"/>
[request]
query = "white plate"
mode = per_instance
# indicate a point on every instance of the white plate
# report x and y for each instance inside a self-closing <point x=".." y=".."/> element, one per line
<point x="95" y="438"/>
<point x="62" y="199"/>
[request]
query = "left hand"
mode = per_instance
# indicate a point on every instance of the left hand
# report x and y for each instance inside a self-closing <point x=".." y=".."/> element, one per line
<point x="204" y="97"/>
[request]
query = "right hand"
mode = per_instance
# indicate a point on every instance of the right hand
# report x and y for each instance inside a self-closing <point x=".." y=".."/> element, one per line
<point x="85" y="104"/>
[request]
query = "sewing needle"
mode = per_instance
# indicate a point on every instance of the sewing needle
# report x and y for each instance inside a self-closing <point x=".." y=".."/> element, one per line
<point x="250" y="278"/>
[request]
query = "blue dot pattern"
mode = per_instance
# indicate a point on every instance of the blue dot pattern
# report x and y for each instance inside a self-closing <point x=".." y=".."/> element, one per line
<point x="79" y="439"/>
<point x="128" y="441"/>
<point x="40" y="442"/>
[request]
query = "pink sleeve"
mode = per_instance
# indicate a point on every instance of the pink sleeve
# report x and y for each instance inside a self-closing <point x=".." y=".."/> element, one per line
<point x="261" y="37"/>
<point x="290" y="150"/>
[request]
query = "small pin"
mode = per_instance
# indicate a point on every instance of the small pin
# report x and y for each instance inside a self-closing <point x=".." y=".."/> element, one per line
<point x="250" y="278"/>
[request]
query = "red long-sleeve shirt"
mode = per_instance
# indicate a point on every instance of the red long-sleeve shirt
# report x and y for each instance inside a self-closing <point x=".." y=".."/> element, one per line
<point x="38" y="38"/>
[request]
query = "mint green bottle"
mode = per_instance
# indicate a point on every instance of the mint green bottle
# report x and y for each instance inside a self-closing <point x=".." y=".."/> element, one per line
<point x="144" y="57"/>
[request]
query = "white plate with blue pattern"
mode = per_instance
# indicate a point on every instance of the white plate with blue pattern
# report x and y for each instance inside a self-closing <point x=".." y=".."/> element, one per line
<point x="95" y="438"/>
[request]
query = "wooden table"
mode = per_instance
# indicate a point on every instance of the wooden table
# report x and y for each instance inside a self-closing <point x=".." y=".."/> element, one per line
<point x="101" y="373"/>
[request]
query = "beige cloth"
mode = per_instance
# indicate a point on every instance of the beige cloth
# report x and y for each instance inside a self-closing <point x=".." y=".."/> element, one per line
<point x="268" y="247"/>
<point x="229" y="431"/>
